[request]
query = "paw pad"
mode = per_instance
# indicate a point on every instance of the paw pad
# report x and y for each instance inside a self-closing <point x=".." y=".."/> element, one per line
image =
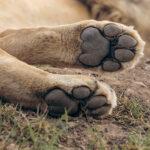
<point x="58" y="101"/>
<point x="81" y="92"/>
<point x="95" y="47"/>
<point x="81" y="98"/>
<point x="108" y="48"/>
<point x="112" y="30"/>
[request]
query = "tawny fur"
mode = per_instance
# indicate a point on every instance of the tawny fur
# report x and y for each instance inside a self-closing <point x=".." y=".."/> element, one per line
<point x="129" y="12"/>
<point x="37" y="13"/>
<point x="24" y="84"/>
<point x="19" y="81"/>
<point x="59" y="45"/>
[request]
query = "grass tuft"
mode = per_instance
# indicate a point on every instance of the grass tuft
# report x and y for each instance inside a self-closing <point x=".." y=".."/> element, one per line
<point x="21" y="130"/>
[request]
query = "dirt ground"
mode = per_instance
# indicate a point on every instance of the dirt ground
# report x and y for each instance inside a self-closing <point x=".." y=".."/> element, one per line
<point x="127" y="128"/>
<point x="134" y="83"/>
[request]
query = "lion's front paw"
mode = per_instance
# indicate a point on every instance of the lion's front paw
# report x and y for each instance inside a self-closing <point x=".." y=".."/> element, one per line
<point x="91" y="97"/>
<point x="110" y="46"/>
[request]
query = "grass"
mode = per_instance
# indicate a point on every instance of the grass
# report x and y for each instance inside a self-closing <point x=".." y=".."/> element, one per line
<point x="138" y="141"/>
<point x="30" y="130"/>
<point x="133" y="116"/>
<point x="96" y="139"/>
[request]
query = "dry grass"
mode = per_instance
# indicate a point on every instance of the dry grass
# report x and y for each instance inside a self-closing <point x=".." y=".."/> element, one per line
<point x="29" y="130"/>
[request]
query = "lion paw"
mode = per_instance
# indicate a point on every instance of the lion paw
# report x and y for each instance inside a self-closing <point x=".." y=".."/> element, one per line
<point x="110" y="46"/>
<point x="94" y="97"/>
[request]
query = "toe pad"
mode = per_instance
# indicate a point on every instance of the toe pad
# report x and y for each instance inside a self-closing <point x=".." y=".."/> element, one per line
<point x="124" y="55"/>
<point x="111" y="65"/>
<point x="112" y="30"/>
<point x="110" y="47"/>
<point x="81" y="92"/>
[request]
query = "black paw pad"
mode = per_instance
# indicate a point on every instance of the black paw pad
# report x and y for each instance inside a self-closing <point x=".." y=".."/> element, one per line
<point x="58" y="101"/>
<point x="81" y="92"/>
<point x="126" y="41"/>
<point x="108" y="48"/>
<point x="97" y="106"/>
<point x="100" y="111"/>
<point x="111" y="65"/>
<point x="96" y="102"/>
<point x="112" y="30"/>
<point x="92" y="60"/>
<point x="82" y="98"/>
<point x="124" y="55"/>
<point x="94" y="47"/>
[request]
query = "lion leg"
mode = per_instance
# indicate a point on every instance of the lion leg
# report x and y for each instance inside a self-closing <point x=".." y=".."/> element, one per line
<point x="31" y="87"/>
<point x="99" y="45"/>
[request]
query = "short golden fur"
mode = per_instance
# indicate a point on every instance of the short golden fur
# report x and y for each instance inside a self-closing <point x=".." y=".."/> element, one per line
<point x="55" y="45"/>
<point x="130" y="12"/>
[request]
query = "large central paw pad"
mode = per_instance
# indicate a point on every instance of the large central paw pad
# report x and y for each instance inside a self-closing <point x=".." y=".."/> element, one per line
<point x="81" y="98"/>
<point x="94" y="47"/>
<point x="108" y="48"/>
<point x="58" y="101"/>
<point x="98" y="106"/>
